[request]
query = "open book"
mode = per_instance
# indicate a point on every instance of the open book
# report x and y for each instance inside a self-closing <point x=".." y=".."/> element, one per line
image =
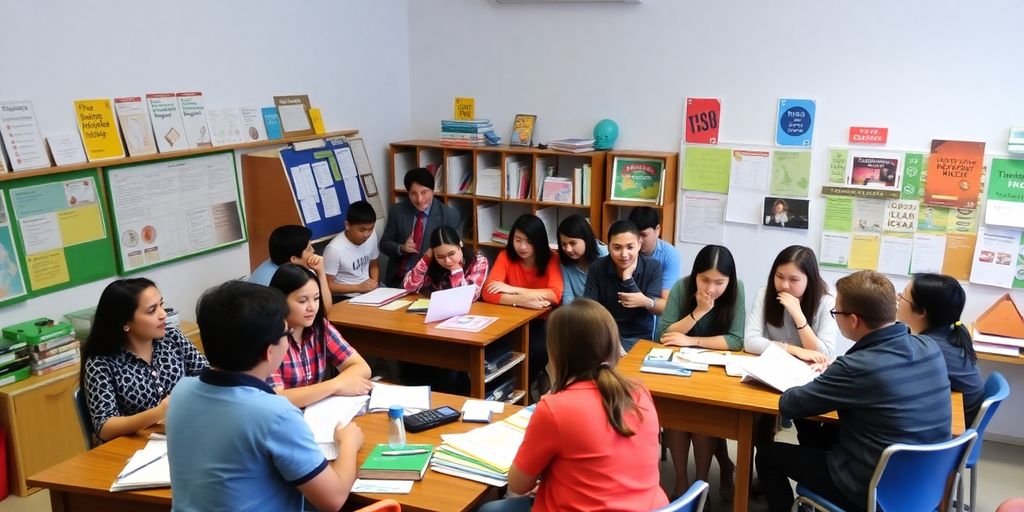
<point x="776" y="368"/>
<point x="412" y="398"/>
<point x="146" y="469"/>
<point x="324" y="415"/>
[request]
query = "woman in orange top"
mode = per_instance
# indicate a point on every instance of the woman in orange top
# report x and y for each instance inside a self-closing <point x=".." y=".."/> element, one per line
<point x="526" y="275"/>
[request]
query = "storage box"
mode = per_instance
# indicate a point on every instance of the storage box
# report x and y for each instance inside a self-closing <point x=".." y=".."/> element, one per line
<point x="37" y="331"/>
<point x="81" y="321"/>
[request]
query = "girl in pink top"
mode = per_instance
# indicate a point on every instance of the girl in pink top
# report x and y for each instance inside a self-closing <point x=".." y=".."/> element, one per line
<point x="446" y="265"/>
<point x="592" y="442"/>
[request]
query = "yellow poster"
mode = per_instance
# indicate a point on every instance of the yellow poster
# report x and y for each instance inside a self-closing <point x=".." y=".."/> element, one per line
<point x="318" y="121"/>
<point x="959" y="255"/>
<point x="465" y="109"/>
<point x="79" y="225"/>
<point x="48" y="268"/>
<point x="98" y="129"/>
<point x="864" y="251"/>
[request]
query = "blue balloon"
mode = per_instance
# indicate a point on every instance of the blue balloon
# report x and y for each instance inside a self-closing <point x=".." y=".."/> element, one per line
<point x="605" y="133"/>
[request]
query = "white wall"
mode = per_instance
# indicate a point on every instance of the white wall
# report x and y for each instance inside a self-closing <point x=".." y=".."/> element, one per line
<point x="925" y="69"/>
<point x="351" y="58"/>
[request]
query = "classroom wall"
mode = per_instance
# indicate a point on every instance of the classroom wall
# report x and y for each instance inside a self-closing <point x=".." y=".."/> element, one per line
<point x="925" y="69"/>
<point x="350" y="57"/>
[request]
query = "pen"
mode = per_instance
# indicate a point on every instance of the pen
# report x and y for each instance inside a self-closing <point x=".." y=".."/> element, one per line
<point x="403" y="452"/>
<point x="130" y="473"/>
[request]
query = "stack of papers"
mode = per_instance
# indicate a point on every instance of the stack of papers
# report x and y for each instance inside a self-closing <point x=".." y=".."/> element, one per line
<point x="378" y="297"/>
<point x="146" y="469"/>
<point x="776" y="368"/>
<point x="480" y="411"/>
<point x="468" y="323"/>
<point x="484" y="454"/>
<point x="412" y="398"/>
<point x="323" y="416"/>
<point x="572" y="145"/>
<point x="666" y="361"/>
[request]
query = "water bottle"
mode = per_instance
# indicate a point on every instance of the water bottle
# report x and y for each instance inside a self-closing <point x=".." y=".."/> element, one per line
<point x="396" y="427"/>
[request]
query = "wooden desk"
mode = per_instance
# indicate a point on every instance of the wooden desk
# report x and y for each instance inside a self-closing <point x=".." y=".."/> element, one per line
<point x="83" y="482"/>
<point x="403" y="336"/>
<point x="712" y="403"/>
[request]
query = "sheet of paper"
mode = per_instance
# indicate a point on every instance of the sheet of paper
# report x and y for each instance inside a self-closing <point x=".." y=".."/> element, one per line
<point x="364" y="485"/>
<point x="40" y="233"/>
<point x="706" y="168"/>
<point x="900" y="216"/>
<point x="791" y="172"/>
<point x="929" y="251"/>
<point x="748" y="184"/>
<point x="867" y="215"/>
<point x="352" y="189"/>
<point x="864" y="251"/>
<point x="474" y="406"/>
<point x="413" y="398"/>
<point x="703" y="214"/>
<point x="329" y="196"/>
<point x="776" y="368"/>
<point x="47" y="268"/>
<point x="326" y="414"/>
<point x="835" y="249"/>
<point x="837" y="159"/>
<point x="396" y="305"/>
<point x="294" y="118"/>
<point x="305" y="184"/>
<point x="894" y="254"/>
<point x="347" y="162"/>
<point x="80" y="225"/>
<point x="838" y="214"/>
<point x="995" y="256"/>
<point x="310" y="213"/>
<point x="322" y="173"/>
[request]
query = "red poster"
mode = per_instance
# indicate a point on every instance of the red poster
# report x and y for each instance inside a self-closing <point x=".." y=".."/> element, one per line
<point x="701" y="123"/>
<point x="868" y="135"/>
<point x="954" y="173"/>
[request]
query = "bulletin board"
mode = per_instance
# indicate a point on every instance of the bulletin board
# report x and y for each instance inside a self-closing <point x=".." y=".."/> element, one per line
<point x="324" y="181"/>
<point x="169" y="210"/>
<point x="61" y="236"/>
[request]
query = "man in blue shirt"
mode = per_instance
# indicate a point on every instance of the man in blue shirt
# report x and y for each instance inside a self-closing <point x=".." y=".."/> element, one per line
<point x="648" y="221"/>
<point x="232" y="443"/>
<point x="890" y="387"/>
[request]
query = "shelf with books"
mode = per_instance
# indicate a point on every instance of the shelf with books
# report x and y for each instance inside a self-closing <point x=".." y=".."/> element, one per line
<point x="641" y="178"/>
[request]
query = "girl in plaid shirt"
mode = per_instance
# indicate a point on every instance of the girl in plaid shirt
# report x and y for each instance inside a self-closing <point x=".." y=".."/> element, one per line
<point x="315" y="347"/>
<point x="446" y="266"/>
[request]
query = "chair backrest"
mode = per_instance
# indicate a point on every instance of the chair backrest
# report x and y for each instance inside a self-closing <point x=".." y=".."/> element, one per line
<point x="83" y="416"/>
<point x="382" y="506"/>
<point x="996" y="390"/>
<point x="917" y="477"/>
<point x="691" y="501"/>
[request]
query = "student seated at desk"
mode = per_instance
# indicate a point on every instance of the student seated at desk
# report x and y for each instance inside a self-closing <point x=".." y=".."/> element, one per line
<point x="315" y="348"/>
<point x="648" y="221"/>
<point x="931" y="305"/>
<point x="232" y="443"/>
<point x="350" y="260"/>
<point x="292" y="244"/>
<point x="593" y="441"/>
<point x="704" y="309"/>
<point x="132" y="360"/>
<point x="446" y="265"/>
<point x="626" y="283"/>
<point x="526" y="275"/>
<point x="577" y="249"/>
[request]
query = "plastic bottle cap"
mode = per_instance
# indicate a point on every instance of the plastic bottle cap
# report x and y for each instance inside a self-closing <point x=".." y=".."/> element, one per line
<point x="396" y="411"/>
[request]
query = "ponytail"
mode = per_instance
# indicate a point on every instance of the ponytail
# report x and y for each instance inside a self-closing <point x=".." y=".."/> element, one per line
<point x="961" y="338"/>
<point x="617" y="397"/>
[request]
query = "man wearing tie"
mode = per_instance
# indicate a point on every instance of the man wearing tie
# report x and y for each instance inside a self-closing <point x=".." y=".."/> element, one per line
<point x="409" y="223"/>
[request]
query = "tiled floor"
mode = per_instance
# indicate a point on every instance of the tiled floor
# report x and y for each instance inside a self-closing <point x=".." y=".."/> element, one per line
<point x="1000" y="477"/>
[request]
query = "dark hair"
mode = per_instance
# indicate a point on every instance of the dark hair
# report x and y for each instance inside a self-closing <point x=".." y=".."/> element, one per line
<point x="439" y="276"/>
<point x="622" y="226"/>
<point x="533" y="228"/>
<point x="290" y="277"/>
<point x="869" y="295"/>
<point x="421" y="176"/>
<point x="576" y="226"/>
<point x="360" y="212"/>
<point x="583" y="345"/>
<point x="287" y="241"/>
<point x="237" y="321"/>
<point x="785" y="205"/>
<point x="714" y="257"/>
<point x="941" y="299"/>
<point x="645" y="217"/>
<point x="803" y="258"/>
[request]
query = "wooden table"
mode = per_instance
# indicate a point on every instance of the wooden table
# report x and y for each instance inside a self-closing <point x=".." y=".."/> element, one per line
<point x="713" y="403"/>
<point x="83" y="482"/>
<point x="403" y="336"/>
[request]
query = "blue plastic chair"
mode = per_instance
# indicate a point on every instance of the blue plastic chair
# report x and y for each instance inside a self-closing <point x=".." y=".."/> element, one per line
<point x="83" y="417"/>
<point x="691" y="501"/>
<point x="908" y="478"/>
<point x="996" y="390"/>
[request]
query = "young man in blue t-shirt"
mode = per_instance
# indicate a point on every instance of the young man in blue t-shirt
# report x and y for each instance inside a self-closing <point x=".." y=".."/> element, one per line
<point x="648" y="221"/>
<point x="232" y="443"/>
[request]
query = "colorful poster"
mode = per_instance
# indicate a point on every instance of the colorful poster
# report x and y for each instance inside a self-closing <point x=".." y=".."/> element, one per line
<point x="783" y="212"/>
<point x="795" y="126"/>
<point x="867" y="215"/>
<point x="900" y="216"/>
<point x="839" y="214"/>
<point x="637" y="179"/>
<point x="954" y="172"/>
<point x="874" y="172"/>
<point x="864" y="251"/>
<point x="868" y="135"/>
<point x="835" y="249"/>
<point x="12" y="283"/>
<point x="1005" y="203"/>
<point x="913" y="176"/>
<point x="791" y="172"/>
<point x="706" y="168"/>
<point x="995" y="256"/>
<point x="837" y="158"/>
<point x="702" y="118"/>
<point x="748" y="184"/>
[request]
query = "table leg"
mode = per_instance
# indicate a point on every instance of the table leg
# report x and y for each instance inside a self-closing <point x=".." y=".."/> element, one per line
<point x="744" y="461"/>
<point x="476" y="373"/>
<point x="524" y="372"/>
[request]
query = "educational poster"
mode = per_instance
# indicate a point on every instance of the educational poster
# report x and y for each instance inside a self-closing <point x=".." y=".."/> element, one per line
<point x="703" y="214"/>
<point x="169" y="210"/>
<point x="53" y="217"/>
<point x="795" y="123"/>
<point x="894" y="253"/>
<point x="864" y="251"/>
<point x="954" y="173"/>
<point x="836" y="235"/>
<point x="995" y="256"/>
<point x="748" y="184"/>
<point x="873" y="172"/>
<point x="12" y="283"/>
<point x="837" y="158"/>
<point x="900" y="216"/>
<point x="785" y="212"/>
<point x="706" y="168"/>
<point x="637" y="179"/>
<point x="913" y="176"/>
<point x="702" y="120"/>
<point x="791" y="173"/>
<point x="1005" y="203"/>
<point x="961" y="237"/>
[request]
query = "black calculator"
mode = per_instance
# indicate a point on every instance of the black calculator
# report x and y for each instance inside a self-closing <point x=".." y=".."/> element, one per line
<point x="430" y="418"/>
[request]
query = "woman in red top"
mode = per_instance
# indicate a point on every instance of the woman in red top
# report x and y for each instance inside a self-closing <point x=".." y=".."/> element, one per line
<point x="527" y="275"/>
<point x="593" y="441"/>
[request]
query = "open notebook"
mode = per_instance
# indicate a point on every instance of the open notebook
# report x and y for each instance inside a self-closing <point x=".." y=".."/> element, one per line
<point x="776" y="368"/>
<point x="326" y="414"/>
<point x="146" y="469"/>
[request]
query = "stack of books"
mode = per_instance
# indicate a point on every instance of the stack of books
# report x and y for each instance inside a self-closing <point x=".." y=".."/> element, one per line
<point x="484" y="454"/>
<point x="557" y="190"/>
<point x="500" y="235"/>
<point x="465" y="133"/>
<point x="572" y="145"/>
<point x="14" y="361"/>
<point x="1000" y="329"/>
<point x="51" y="345"/>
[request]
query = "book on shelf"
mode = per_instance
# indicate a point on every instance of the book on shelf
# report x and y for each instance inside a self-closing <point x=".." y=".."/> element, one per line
<point x="193" y="114"/>
<point x="252" y="124"/>
<point x="459" y="170"/>
<point x="168" y="126"/>
<point x="462" y="136"/>
<point x="98" y="127"/>
<point x="382" y="465"/>
<point x="637" y="179"/>
<point x="500" y="235"/>
<point x="41" y="354"/>
<point x="135" y="125"/>
<point x="464" y="128"/>
<point x="557" y="190"/>
<point x="572" y="145"/>
<point x="225" y="126"/>
<point x="56" y="359"/>
<point x="458" y="143"/>
<point x="66" y="148"/>
<point x="272" y="122"/>
<point x="465" y="123"/>
<point x="488" y="182"/>
<point x="517" y="180"/>
<point x="437" y="170"/>
<point x="19" y="129"/>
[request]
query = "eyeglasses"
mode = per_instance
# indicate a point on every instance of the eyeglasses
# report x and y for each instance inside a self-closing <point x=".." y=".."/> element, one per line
<point x="833" y="312"/>
<point x="899" y="295"/>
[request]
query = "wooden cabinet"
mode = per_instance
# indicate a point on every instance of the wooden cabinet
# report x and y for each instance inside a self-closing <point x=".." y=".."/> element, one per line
<point x="615" y="210"/>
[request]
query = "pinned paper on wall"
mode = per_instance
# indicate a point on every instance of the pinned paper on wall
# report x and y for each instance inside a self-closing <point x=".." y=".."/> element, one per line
<point x="1005" y="203"/>
<point x="703" y="217"/>
<point x="748" y="183"/>
<point x="706" y="168"/>
<point x="702" y="120"/>
<point x="791" y="173"/>
<point x="795" y="122"/>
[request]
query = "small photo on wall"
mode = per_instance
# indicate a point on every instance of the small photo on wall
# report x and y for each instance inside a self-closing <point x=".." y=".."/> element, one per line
<point x="874" y="172"/>
<point x="785" y="212"/>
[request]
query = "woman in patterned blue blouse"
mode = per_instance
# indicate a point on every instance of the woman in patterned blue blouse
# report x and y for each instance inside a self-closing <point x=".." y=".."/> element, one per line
<point x="132" y="360"/>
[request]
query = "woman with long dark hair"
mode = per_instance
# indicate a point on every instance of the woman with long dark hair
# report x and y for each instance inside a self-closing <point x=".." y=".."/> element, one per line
<point x="577" y="249"/>
<point x="446" y="265"/>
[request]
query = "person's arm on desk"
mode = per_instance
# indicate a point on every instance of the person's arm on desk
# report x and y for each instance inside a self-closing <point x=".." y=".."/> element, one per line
<point x="354" y="380"/>
<point x="101" y="399"/>
<point x="117" y="426"/>
<point x="330" y="489"/>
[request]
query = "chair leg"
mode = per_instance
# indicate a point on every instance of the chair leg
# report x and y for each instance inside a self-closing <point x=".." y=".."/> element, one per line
<point x="974" y="486"/>
<point x="960" y="493"/>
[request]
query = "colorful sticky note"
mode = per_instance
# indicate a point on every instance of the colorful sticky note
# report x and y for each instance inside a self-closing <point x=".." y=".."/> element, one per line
<point x="707" y="168"/>
<point x="465" y="109"/>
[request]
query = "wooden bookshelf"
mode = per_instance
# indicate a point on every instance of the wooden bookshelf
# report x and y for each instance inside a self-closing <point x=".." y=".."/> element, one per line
<point x="615" y="210"/>
<point x="1000" y="358"/>
<point x="409" y="154"/>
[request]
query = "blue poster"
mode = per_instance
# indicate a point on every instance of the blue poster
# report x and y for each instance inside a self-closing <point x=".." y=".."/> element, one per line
<point x="795" y="124"/>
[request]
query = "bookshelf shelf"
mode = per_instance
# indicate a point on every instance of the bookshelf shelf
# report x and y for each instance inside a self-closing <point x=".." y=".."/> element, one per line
<point x="619" y="209"/>
<point x="1001" y="359"/>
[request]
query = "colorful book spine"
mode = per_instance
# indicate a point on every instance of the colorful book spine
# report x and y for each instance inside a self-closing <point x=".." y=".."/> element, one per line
<point x="272" y="122"/>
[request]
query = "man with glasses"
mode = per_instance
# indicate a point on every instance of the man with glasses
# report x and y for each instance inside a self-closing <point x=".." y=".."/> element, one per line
<point x="890" y="387"/>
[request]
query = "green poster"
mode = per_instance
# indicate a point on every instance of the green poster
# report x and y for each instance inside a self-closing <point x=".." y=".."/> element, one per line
<point x="932" y="219"/>
<point x="837" y="159"/>
<point x="838" y="214"/>
<point x="913" y="176"/>
<point x="791" y="173"/>
<point x="706" y="169"/>
<point x="1006" y="181"/>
